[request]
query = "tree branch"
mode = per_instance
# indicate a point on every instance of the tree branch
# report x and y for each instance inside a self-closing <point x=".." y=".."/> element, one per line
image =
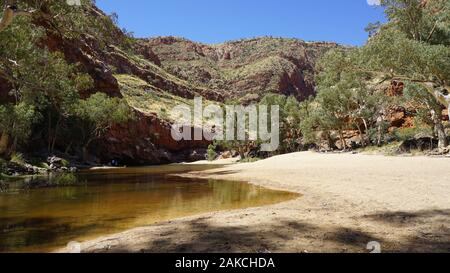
<point x="8" y="16"/>
<point x="428" y="85"/>
<point x="10" y="12"/>
<point x="432" y="32"/>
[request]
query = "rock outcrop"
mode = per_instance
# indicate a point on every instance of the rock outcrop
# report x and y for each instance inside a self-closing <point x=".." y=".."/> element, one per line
<point x="241" y="68"/>
<point x="148" y="140"/>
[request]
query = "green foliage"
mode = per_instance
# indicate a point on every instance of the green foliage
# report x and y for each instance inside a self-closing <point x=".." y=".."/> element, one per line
<point x="391" y="53"/>
<point x="424" y="102"/>
<point x="101" y="111"/>
<point x="97" y="114"/>
<point x="44" y="165"/>
<point x="65" y="163"/>
<point x="428" y="111"/>
<point x="17" y="121"/>
<point x="44" y="87"/>
<point x="412" y="47"/>
<point x="403" y="134"/>
<point x="309" y="120"/>
<point x="250" y="160"/>
<point x="289" y="127"/>
<point x="211" y="153"/>
<point x="428" y="22"/>
<point x="18" y="158"/>
<point x="289" y="120"/>
<point x="63" y="179"/>
<point x="345" y="100"/>
<point x="72" y="21"/>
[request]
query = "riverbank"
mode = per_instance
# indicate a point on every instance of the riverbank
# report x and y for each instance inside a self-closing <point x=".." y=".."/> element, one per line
<point x="348" y="200"/>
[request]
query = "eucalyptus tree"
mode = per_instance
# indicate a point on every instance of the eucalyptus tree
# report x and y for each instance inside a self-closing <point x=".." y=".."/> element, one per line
<point x="414" y="46"/>
<point x="349" y="93"/>
<point x="429" y="111"/>
<point x="96" y="115"/>
<point x="38" y="78"/>
<point x="41" y="79"/>
<point x="16" y="124"/>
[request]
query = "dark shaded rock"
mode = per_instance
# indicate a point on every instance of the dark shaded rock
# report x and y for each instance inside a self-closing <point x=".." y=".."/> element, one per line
<point x="421" y="144"/>
<point x="197" y="155"/>
<point x="15" y="169"/>
<point x="55" y="161"/>
<point x="147" y="140"/>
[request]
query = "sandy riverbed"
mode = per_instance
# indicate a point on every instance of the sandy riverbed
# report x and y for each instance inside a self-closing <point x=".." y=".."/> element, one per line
<point x="348" y="200"/>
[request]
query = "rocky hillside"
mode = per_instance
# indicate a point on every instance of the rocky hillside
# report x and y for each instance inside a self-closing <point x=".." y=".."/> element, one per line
<point x="245" y="69"/>
<point x="163" y="72"/>
<point x="154" y="75"/>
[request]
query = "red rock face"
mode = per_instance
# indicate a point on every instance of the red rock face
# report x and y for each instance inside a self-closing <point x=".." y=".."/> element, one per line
<point x="294" y="85"/>
<point x="123" y="65"/>
<point x="396" y="89"/>
<point x="147" y="140"/>
<point x="399" y="118"/>
<point x="86" y="52"/>
<point x="149" y="55"/>
<point x="249" y="68"/>
<point x="236" y="69"/>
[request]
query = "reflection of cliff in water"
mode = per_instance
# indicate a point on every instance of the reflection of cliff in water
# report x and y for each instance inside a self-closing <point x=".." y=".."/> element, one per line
<point x="110" y="201"/>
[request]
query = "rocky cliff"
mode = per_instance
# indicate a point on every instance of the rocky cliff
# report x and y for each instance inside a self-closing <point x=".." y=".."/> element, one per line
<point x="164" y="71"/>
<point x="245" y="69"/>
<point x="155" y="74"/>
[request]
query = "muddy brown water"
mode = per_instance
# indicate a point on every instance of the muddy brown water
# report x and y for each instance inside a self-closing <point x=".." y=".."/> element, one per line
<point x="114" y="200"/>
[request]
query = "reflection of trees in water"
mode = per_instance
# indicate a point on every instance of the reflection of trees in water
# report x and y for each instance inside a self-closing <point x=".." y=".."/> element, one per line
<point x="229" y="192"/>
<point x="43" y="218"/>
<point x="245" y="194"/>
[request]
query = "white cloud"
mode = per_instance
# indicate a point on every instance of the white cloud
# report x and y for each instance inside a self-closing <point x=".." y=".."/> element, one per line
<point x="374" y="2"/>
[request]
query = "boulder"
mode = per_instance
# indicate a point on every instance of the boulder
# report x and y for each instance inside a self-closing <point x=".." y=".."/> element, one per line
<point x="197" y="155"/>
<point x="55" y="162"/>
<point x="225" y="155"/>
<point x="16" y="169"/>
<point x="421" y="144"/>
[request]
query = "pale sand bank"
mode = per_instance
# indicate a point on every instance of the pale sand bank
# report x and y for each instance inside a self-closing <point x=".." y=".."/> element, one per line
<point x="348" y="200"/>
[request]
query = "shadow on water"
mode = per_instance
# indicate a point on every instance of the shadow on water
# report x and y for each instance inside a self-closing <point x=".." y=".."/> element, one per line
<point x="110" y="201"/>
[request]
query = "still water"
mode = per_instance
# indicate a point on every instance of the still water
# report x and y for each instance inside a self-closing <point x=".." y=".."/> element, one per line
<point x="111" y="201"/>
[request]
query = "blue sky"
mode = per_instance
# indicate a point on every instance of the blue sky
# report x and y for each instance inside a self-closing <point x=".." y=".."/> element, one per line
<point x="215" y="21"/>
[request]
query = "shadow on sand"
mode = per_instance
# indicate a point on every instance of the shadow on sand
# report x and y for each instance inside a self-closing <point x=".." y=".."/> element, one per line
<point x="281" y="235"/>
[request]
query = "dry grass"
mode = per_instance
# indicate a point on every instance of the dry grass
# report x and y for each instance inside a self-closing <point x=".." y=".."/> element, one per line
<point x="150" y="99"/>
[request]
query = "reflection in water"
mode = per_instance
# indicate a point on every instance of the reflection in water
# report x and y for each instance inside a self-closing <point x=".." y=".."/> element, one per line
<point x="110" y="201"/>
